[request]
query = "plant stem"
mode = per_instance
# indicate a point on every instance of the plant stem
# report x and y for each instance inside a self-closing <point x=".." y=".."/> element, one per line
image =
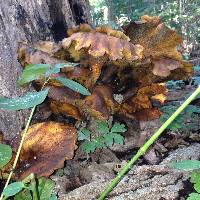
<point x="34" y="189"/>
<point x="19" y="150"/>
<point x="22" y="142"/>
<point x="145" y="147"/>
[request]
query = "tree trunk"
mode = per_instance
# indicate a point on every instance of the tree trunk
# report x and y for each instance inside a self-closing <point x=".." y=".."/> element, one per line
<point x="30" y="21"/>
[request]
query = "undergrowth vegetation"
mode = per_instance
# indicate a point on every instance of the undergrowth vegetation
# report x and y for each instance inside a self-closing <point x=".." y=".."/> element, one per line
<point x="43" y="188"/>
<point x="186" y="121"/>
<point x="106" y="138"/>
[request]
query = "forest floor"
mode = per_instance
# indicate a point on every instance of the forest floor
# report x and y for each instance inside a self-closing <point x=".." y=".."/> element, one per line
<point x="85" y="177"/>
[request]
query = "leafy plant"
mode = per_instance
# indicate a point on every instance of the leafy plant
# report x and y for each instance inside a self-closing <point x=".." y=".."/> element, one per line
<point x="38" y="71"/>
<point x="29" y="190"/>
<point x="31" y="73"/>
<point x="187" y="120"/>
<point x="107" y="136"/>
<point x="196" y="79"/>
<point x="5" y="154"/>
<point x="195" y="177"/>
<point x="186" y="165"/>
<point x="175" y="84"/>
<point x="73" y="85"/>
<point x="30" y="100"/>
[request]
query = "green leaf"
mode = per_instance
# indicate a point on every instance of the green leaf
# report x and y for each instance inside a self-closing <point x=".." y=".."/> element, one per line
<point x="188" y="114"/>
<point x="99" y="142"/>
<point x="88" y="147"/>
<point x="195" y="178"/>
<point x="84" y="134"/>
<point x="23" y="195"/>
<point x="45" y="188"/>
<point x="33" y="72"/>
<point x="102" y="127"/>
<point x="13" y="189"/>
<point x="53" y="197"/>
<point x="108" y="140"/>
<point x="29" y="100"/>
<point x="73" y="85"/>
<point x="57" y="67"/>
<point x="186" y="165"/>
<point x="68" y="64"/>
<point x="194" y="196"/>
<point x="118" y="128"/>
<point x="5" y="154"/>
<point x="118" y="139"/>
<point x="197" y="187"/>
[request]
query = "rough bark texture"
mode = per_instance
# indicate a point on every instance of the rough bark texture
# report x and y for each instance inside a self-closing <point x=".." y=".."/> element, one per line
<point x="30" y="21"/>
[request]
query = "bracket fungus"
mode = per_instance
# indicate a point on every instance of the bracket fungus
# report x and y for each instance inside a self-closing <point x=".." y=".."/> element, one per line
<point x="133" y="64"/>
<point x="113" y="62"/>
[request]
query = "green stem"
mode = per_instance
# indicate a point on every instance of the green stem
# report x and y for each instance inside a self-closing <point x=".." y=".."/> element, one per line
<point x="145" y="147"/>
<point x="34" y="189"/>
<point x="21" y="143"/>
<point x="19" y="150"/>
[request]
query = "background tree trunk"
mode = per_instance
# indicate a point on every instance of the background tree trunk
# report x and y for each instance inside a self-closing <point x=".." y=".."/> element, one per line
<point x="30" y="21"/>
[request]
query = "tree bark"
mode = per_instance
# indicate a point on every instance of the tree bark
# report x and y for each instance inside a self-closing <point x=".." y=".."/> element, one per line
<point x="30" y="21"/>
